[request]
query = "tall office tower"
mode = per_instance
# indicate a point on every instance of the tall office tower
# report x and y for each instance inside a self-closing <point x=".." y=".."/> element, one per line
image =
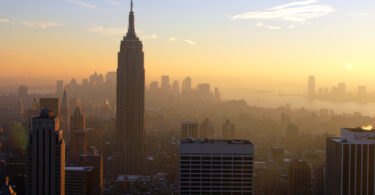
<point x="95" y="161"/>
<point x="110" y="78"/>
<point x="45" y="156"/>
<point x="53" y="104"/>
<point x="203" y="89"/>
<point x="130" y="103"/>
<point x="78" y="136"/>
<point x="153" y="87"/>
<point x="299" y="178"/>
<point x="362" y="91"/>
<point x="64" y="117"/>
<point x="319" y="179"/>
<point x="20" y="106"/>
<point x="176" y="87"/>
<point x="217" y="93"/>
<point x="79" y="180"/>
<point x="23" y="92"/>
<point x="59" y="88"/>
<point x="189" y="130"/>
<point x="311" y="87"/>
<point x="341" y="88"/>
<point x="216" y="166"/>
<point x="229" y="130"/>
<point x="206" y="129"/>
<point x="165" y="82"/>
<point x="350" y="162"/>
<point x="186" y="85"/>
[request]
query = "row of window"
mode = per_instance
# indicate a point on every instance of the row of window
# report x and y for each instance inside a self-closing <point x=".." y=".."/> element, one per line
<point x="219" y="176"/>
<point x="216" y="180"/>
<point x="217" y="184"/>
<point x="222" y="193"/>
<point x="216" y="189"/>
<point x="214" y="158"/>
<point x="217" y="171"/>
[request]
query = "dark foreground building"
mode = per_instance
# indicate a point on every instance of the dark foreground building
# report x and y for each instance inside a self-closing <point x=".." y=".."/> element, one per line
<point x="130" y="103"/>
<point x="45" y="156"/>
<point x="350" y="163"/>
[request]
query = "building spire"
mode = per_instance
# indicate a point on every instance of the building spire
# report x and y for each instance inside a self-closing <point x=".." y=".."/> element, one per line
<point x="131" y="6"/>
<point x="131" y="28"/>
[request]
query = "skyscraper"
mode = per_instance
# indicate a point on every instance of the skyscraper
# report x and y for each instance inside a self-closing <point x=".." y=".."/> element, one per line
<point x="189" y="130"/>
<point x="59" y="88"/>
<point x="45" y="156"/>
<point x="176" y="87"/>
<point x="350" y="162"/>
<point x="79" y="180"/>
<point x="64" y="117"/>
<point x="299" y="178"/>
<point x="186" y="85"/>
<point x="23" y="92"/>
<point x="95" y="161"/>
<point x="78" y="136"/>
<point x="204" y="90"/>
<point x="206" y="129"/>
<point x="228" y="130"/>
<point x="130" y="103"/>
<point x="216" y="166"/>
<point x="311" y="87"/>
<point x="165" y="82"/>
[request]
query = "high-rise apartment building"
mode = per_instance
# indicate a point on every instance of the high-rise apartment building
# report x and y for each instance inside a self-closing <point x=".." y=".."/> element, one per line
<point x="229" y="130"/>
<point x="79" y="181"/>
<point x="206" y="129"/>
<point x="299" y="178"/>
<point x="203" y="89"/>
<point x="23" y="92"/>
<point x="45" y="156"/>
<point x="216" y="166"/>
<point x="59" y="88"/>
<point x="350" y="163"/>
<point x="319" y="184"/>
<point x="165" y="83"/>
<point x="186" y="85"/>
<point x="64" y="117"/>
<point x="130" y="157"/>
<point x="95" y="161"/>
<point x="311" y="86"/>
<point x="78" y="136"/>
<point x="189" y="130"/>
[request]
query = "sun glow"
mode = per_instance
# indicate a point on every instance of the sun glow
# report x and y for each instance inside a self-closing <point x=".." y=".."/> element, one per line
<point x="368" y="127"/>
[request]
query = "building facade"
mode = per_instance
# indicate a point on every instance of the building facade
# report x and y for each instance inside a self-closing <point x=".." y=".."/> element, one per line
<point x="78" y="137"/>
<point x="299" y="178"/>
<point x="350" y="163"/>
<point x="79" y="181"/>
<point x="229" y="130"/>
<point x="216" y="166"/>
<point x="45" y="156"/>
<point x="189" y="130"/>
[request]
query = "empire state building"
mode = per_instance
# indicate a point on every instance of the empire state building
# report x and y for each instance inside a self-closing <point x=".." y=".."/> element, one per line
<point x="130" y="103"/>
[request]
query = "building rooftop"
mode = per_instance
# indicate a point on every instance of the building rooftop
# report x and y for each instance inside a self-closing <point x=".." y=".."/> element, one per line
<point x="213" y="141"/>
<point x="356" y="136"/>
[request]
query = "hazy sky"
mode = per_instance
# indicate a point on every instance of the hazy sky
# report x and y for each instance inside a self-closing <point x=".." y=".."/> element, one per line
<point x="239" y="43"/>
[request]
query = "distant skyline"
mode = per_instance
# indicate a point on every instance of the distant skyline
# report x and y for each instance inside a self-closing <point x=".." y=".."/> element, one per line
<point x="239" y="43"/>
